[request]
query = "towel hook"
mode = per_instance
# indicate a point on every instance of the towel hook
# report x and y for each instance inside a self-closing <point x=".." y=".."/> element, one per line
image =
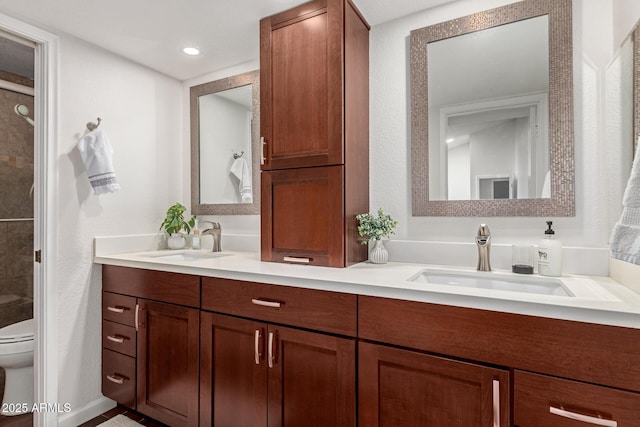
<point x="93" y="126"/>
<point x="237" y="156"/>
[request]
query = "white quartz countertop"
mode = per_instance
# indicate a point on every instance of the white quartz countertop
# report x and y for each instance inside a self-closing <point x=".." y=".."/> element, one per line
<point x="596" y="299"/>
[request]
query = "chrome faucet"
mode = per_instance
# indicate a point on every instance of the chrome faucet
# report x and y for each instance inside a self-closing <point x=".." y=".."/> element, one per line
<point x="216" y="232"/>
<point x="483" y="240"/>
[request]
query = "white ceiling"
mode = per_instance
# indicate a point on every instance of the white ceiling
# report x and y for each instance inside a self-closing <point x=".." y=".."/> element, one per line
<point x="153" y="32"/>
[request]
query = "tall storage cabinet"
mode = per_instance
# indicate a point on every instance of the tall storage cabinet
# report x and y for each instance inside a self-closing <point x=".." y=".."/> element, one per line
<point x="314" y="105"/>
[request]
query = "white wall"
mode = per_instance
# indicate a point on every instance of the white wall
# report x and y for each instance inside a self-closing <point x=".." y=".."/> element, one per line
<point x="390" y="143"/>
<point x="141" y="114"/>
<point x="626" y="14"/>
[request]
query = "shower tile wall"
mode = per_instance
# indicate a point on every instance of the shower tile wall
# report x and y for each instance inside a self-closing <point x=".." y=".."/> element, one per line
<point x="16" y="210"/>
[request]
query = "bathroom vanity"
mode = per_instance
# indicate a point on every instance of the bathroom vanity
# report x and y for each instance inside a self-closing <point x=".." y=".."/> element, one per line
<point x="284" y="344"/>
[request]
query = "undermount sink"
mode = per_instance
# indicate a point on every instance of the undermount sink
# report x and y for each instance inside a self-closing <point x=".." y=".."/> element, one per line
<point x="186" y="255"/>
<point x="494" y="281"/>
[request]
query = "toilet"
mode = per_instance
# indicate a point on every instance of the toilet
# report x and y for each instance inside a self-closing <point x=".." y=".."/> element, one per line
<point x="16" y="358"/>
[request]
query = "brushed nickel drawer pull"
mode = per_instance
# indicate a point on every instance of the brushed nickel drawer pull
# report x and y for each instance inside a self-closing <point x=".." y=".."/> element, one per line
<point x="265" y="303"/>
<point x="297" y="260"/>
<point x="262" y="145"/>
<point x="496" y="403"/>
<point x="270" y="357"/>
<point x="116" y="339"/>
<point x="116" y="309"/>
<point x="257" y="346"/>
<point x="137" y="316"/>
<point x="116" y="379"/>
<point x="584" y="418"/>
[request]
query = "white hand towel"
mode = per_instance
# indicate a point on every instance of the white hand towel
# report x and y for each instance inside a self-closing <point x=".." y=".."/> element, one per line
<point x="240" y="169"/>
<point x="96" y="153"/>
<point x="625" y="239"/>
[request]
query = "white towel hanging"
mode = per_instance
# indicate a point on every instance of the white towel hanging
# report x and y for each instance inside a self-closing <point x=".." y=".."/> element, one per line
<point x="96" y="153"/>
<point x="240" y="169"/>
<point x="625" y="239"/>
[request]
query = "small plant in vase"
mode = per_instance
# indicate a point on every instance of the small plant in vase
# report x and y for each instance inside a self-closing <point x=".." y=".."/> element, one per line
<point x="175" y="222"/>
<point x="376" y="228"/>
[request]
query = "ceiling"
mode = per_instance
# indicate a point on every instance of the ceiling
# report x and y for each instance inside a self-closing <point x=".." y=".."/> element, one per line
<point x="153" y="32"/>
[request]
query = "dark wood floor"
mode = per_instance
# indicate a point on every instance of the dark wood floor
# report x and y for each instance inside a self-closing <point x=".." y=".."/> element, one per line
<point x="17" y="421"/>
<point x="27" y="420"/>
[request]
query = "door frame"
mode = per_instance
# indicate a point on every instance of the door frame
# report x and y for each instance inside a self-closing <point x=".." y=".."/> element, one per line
<point x="44" y="214"/>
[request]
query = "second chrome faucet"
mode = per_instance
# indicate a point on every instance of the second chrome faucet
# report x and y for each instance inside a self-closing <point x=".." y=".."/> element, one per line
<point x="483" y="241"/>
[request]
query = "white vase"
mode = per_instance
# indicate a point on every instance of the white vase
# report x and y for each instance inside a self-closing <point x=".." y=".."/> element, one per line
<point x="176" y="241"/>
<point x="378" y="254"/>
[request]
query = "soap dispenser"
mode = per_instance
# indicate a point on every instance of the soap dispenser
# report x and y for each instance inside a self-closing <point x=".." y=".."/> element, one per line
<point x="550" y="254"/>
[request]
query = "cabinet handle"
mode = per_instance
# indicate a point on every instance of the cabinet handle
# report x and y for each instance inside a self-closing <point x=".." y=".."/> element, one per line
<point x="116" y="379"/>
<point x="262" y="145"/>
<point x="496" y="403"/>
<point x="584" y="418"/>
<point x="265" y="303"/>
<point x="270" y="357"/>
<point x="257" y="346"/>
<point x="116" y="309"/>
<point x="115" y="339"/>
<point x="137" y="317"/>
<point x="297" y="260"/>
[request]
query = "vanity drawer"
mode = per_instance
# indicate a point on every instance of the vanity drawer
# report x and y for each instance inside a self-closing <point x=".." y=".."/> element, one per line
<point x="118" y="378"/>
<point x="588" y="352"/>
<point x="120" y="338"/>
<point x="543" y="401"/>
<point x="307" y="308"/>
<point x="118" y="308"/>
<point x="173" y="288"/>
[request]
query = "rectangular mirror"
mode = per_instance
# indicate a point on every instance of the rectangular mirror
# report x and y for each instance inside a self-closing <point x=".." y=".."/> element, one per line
<point x="492" y="113"/>
<point x="225" y="121"/>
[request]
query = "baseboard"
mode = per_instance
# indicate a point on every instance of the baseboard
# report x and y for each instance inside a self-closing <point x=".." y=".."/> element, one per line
<point x="79" y="416"/>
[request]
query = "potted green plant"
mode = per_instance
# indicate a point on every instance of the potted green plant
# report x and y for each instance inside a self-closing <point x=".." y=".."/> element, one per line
<point x="376" y="228"/>
<point x="175" y="222"/>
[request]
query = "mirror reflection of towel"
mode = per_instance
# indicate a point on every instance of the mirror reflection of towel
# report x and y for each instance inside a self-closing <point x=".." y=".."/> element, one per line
<point x="240" y="169"/>
<point x="96" y="153"/>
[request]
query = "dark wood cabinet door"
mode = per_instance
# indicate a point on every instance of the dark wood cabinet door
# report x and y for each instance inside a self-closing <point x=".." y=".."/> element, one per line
<point x="405" y="388"/>
<point x="301" y="86"/>
<point x="168" y="363"/>
<point x="233" y="374"/>
<point x="312" y="379"/>
<point x="302" y="216"/>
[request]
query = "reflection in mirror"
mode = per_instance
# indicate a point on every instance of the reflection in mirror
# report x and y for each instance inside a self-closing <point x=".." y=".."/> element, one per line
<point x="492" y="113"/>
<point x="224" y="146"/>
<point x="489" y="120"/>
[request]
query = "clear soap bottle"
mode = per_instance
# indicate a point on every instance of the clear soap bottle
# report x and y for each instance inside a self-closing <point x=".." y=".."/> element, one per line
<point x="550" y="254"/>
<point x="195" y="239"/>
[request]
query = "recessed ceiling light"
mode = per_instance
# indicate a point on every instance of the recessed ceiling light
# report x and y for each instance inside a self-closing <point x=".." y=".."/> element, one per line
<point x="191" y="51"/>
<point x="450" y="140"/>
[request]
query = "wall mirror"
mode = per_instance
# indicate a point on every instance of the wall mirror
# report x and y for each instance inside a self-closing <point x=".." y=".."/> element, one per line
<point x="225" y="123"/>
<point x="492" y="113"/>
